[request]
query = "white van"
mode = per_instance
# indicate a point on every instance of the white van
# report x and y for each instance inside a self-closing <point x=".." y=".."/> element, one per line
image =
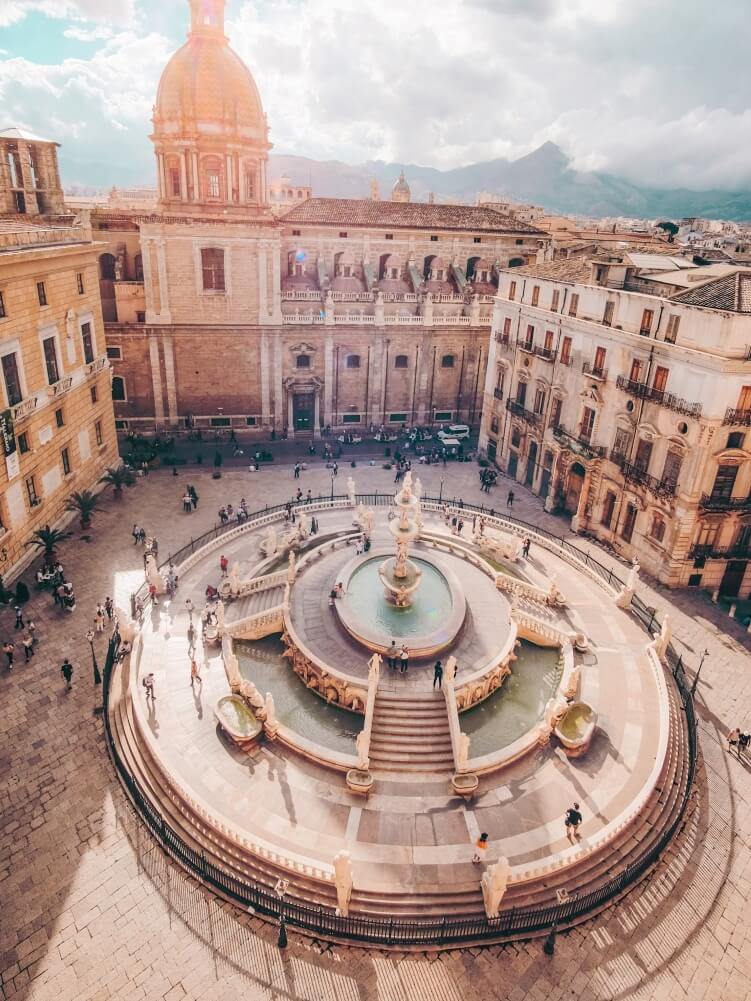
<point x="459" y="431"/>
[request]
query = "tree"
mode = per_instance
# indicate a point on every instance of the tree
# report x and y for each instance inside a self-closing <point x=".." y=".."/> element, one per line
<point x="118" y="477"/>
<point x="670" y="228"/>
<point x="84" y="503"/>
<point x="48" y="539"/>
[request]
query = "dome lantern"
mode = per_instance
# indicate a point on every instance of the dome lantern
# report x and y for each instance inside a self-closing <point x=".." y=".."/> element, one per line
<point x="401" y="191"/>
<point x="207" y="17"/>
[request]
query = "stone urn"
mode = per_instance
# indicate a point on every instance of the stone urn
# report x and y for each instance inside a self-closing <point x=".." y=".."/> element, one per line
<point x="576" y="729"/>
<point x="359" y="781"/>
<point x="464" y="785"/>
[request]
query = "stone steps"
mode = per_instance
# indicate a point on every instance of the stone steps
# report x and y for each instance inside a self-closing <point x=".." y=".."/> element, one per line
<point x="254" y="604"/>
<point x="411" y="733"/>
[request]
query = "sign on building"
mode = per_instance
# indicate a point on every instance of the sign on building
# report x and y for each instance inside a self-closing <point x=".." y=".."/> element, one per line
<point x="10" y="449"/>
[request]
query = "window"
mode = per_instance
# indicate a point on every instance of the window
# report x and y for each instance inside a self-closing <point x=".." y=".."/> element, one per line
<point x="444" y="415"/>
<point x="643" y="454"/>
<point x="554" y="300"/>
<point x="539" y="404"/>
<point x="645" y="327"/>
<point x="573" y="306"/>
<point x="212" y="184"/>
<point x="512" y="291"/>
<point x="660" y="379"/>
<point x="599" y="362"/>
<point x="88" y="344"/>
<point x="434" y="239"/>
<point x="494" y="424"/>
<point x="42" y="294"/>
<point x="250" y="185"/>
<point x="174" y="181"/>
<point x="12" y="379"/>
<point x="500" y="381"/>
<point x="50" y="360"/>
<point x="536" y="295"/>
<point x="250" y="422"/>
<point x="351" y="418"/>
<point x="622" y="442"/>
<point x="548" y="345"/>
<point x="118" y="389"/>
<point x="566" y="351"/>
<point x="694" y="580"/>
<point x="397" y="418"/>
<point x="401" y="361"/>
<point x="140" y="316"/>
<point x="98" y="433"/>
<point x="342" y="236"/>
<point x="65" y="456"/>
<point x="296" y="232"/>
<point x="115" y="354"/>
<point x="587" y="424"/>
<point x="220" y="422"/>
<point x="353" y="361"/>
<point x="516" y="437"/>
<point x="607" y="316"/>
<point x="2" y="306"/>
<point x="529" y="339"/>
<point x="724" y="482"/>
<point x="608" y="508"/>
<point x="521" y="393"/>
<point x="60" y="418"/>
<point x="671" y="332"/>
<point x="507" y="329"/>
<point x="79" y="283"/>
<point x="122" y="425"/>
<point x="138" y="264"/>
<point x="477" y="239"/>
<point x="672" y="468"/>
<point x="31" y="492"/>
<point x="629" y="522"/>
<point x="635" y="373"/>
<point x="94" y="394"/>
<point x="303" y="361"/>
<point x="447" y="361"/>
<point x="744" y="399"/>
<point x="735" y="439"/>
<point x="555" y="415"/>
<point x="23" y="443"/>
<point x="389" y="236"/>
<point x="212" y="264"/>
<point x="657" y="528"/>
<point x="519" y="243"/>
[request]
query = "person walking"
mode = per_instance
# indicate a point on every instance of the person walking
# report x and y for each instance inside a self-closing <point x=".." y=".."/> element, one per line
<point x="148" y="684"/>
<point x="437" y="674"/>
<point x="525" y="547"/>
<point x="309" y="497"/>
<point x="187" y="503"/>
<point x="8" y="649"/>
<point x="193" y="497"/>
<point x="28" y="645"/>
<point x="481" y="847"/>
<point x="109" y="607"/>
<point x="136" y="533"/>
<point x="404" y="658"/>
<point x="153" y="594"/>
<point x="99" y="618"/>
<point x="573" y="821"/>
<point x="19" y="617"/>
<point x="189" y="607"/>
<point x="191" y="638"/>
<point x="510" y="499"/>
<point x="297" y="471"/>
<point x="336" y="469"/>
<point x="391" y="654"/>
<point x="67" y="672"/>
<point x="194" y="673"/>
<point x="733" y="740"/>
<point x="224" y="565"/>
<point x="743" y="741"/>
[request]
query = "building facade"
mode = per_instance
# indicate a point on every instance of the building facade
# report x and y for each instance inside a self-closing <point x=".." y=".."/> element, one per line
<point x="619" y="389"/>
<point x="339" y="312"/>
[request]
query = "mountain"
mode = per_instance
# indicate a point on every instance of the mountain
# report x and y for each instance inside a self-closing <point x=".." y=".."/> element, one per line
<point x="544" y="177"/>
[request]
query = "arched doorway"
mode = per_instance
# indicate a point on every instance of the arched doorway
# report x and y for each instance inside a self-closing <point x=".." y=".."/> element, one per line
<point x="574" y="485"/>
<point x="107" y="267"/>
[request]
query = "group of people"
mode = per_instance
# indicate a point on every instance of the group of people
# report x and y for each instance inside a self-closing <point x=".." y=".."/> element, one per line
<point x="227" y="512"/>
<point x="487" y="479"/>
<point x="28" y="639"/>
<point x="398" y="657"/>
<point x="190" y="499"/>
<point x="739" y="741"/>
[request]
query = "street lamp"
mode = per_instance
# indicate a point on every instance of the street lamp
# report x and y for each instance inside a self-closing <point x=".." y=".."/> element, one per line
<point x="440" y="495"/>
<point x="332" y="488"/>
<point x="280" y="888"/>
<point x="696" y="676"/>
<point x="94" y="665"/>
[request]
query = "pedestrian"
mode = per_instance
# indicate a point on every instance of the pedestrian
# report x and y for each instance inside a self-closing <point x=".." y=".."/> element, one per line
<point x="194" y="675"/>
<point x="189" y="607"/>
<point x="28" y="645"/>
<point x="152" y="594"/>
<point x="193" y="497"/>
<point x="223" y="565"/>
<point x="19" y="617"/>
<point x="309" y="497"/>
<point x="99" y="618"/>
<point x="743" y="741"/>
<point x="297" y="470"/>
<point x="148" y="684"/>
<point x="109" y="607"/>
<point x="733" y="739"/>
<point x="481" y="847"/>
<point x="573" y="821"/>
<point x="191" y="637"/>
<point x="404" y="658"/>
<point x="31" y="629"/>
<point x="67" y="672"/>
<point x="298" y="496"/>
<point x="336" y="469"/>
<point x="525" y="547"/>
<point x="437" y="674"/>
<point x="136" y="533"/>
<point x="510" y="499"/>
<point x="391" y="654"/>
<point x="187" y="503"/>
<point x="8" y="649"/>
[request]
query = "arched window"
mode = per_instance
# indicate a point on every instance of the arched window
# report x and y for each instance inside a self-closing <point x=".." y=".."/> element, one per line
<point x="138" y="264"/>
<point x="448" y="361"/>
<point x="657" y="528"/>
<point x="118" y="389"/>
<point x="107" y="267"/>
<point x="211" y="168"/>
<point x="353" y="361"/>
<point x="401" y="361"/>
<point x="516" y="262"/>
<point x="303" y="361"/>
<point x="250" y="184"/>
<point x="212" y="265"/>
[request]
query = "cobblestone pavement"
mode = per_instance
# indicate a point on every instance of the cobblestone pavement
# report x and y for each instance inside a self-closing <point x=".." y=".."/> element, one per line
<point x="90" y="908"/>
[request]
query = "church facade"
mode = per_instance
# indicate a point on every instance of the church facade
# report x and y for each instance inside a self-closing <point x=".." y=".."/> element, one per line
<point x="343" y="313"/>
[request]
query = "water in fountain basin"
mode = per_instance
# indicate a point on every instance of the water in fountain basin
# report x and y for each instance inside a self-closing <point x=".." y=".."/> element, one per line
<point x="430" y="608"/>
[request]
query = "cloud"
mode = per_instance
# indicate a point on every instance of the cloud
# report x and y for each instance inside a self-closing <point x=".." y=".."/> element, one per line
<point x="88" y="34"/>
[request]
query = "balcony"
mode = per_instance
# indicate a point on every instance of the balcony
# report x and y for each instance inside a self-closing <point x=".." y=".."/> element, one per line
<point x="711" y="502"/>
<point x="498" y="393"/>
<point x="737" y="418"/>
<point x="517" y="410"/>
<point x="503" y="341"/>
<point x="24" y="409"/>
<point x="595" y="373"/>
<point x="581" y="446"/>
<point x="527" y="347"/>
<point x="639" y="476"/>
<point x="59" y="388"/>
<point x="547" y="354"/>
<point x="709" y="551"/>
<point x="644" y="392"/>
<point x="96" y="366"/>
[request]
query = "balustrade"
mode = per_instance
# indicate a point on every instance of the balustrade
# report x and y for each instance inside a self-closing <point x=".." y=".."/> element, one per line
<point x="663" y="399"/>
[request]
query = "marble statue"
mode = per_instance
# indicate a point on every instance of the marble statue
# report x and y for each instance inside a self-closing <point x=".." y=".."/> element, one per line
<point x="351" y="491"/>
<point x="374" y="667"/>
<point x="234" y="579"/>
<point x="449" y="670"/>
<point x="494" y="882"/>
<point x="633" y="576"/>
<point x="303" y="526"/>
<point x="407" y="487"/>
<point x="343" y="880"/>
<point x="251" y="694"/>
<point x="400" y="566"/>
<point x="219" y="611"/>
<point x="555" y="595"/>
<point x="570" y="682"/>
<point x="292" y="568"/>
<point x="663" y="640"/>
<point x="366" y="522"/>
<point x="462" y="752"/>
<point x="555" y="710"/>
<point x="271" y="724"/>
<point x="362" y="746"/>
<point x="269" y="544"/>
<point x="418" y="488"/>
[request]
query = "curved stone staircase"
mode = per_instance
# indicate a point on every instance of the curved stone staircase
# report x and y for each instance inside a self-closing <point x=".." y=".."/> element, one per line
<point x="254" y="604"/>
<point x="410" y="732"/>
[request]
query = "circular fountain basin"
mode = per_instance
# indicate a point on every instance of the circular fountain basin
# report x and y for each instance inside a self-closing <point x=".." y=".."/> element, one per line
<point x="428" y="625"/>
<point x="576" y="729"/>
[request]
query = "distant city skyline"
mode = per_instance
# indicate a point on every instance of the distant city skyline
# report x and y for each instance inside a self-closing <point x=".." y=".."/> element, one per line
<point x="656" y="93"/>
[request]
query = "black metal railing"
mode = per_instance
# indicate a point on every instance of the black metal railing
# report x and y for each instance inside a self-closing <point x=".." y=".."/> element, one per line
<point x="710" y="551"/>
<point x="633" y="473"/>
<point x="582" y="446"/>
<point x="593" y="372"/>
<point x="739" y="418"/>
<point x="431" y="931"/>
<point x="547" y="354"/>
<point x="519" y="410"/>
<point x="712" y="502"/>
<point x="663" y="399"/>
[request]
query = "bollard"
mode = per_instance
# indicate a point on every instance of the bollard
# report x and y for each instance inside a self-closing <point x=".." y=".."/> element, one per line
<point x="549" y="947"/>
<point x="731" y="613"/>
<point x="715" y="596"/>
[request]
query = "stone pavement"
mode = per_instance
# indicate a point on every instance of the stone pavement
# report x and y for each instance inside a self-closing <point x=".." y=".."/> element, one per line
<point x="91" y="908"/>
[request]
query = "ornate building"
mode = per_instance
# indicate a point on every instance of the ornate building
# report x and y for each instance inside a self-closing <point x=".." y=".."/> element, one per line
<point x="338" y="312"/>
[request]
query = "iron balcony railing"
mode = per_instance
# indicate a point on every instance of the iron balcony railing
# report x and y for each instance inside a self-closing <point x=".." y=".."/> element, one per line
<point x="547" y="354"/>
<point x="709" y="551"/>
<point x="528" y="347"/>
<point x="741" y="418"/>
<point x="644" y="392"/>
<point x="498" y="393"/>
<point x="594" y="373"/>
<point x="712" y="502"/>
<point x="518" y="410"/>
<point x="582" y="446"/>
<point x="635" y="474"/>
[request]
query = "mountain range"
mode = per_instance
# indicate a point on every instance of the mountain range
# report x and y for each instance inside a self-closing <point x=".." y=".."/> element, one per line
<point x="544" y="177"/>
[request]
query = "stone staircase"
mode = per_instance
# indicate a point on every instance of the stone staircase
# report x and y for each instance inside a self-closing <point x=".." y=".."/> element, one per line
<point x="410" y="732"/>
<point x="253" y="604"/>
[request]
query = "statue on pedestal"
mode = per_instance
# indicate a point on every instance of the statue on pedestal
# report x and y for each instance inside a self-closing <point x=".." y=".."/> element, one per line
<point x="374" y="667"/>
<point x="462" y="752"/>
<point x="269" y="544"/>
<point x="344" y="881"/>
<point x="292" y="568"/>
<point x="449" y="670"/>
<point x="234" y="580"/>
<point x="493" y="883"/>
<point x="351" y="490"/>
<point x="271" y="724"/>
<point x="362" y="746"/>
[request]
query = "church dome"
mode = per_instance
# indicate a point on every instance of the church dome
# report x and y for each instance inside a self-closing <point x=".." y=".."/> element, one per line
<point x="401" y="191"/>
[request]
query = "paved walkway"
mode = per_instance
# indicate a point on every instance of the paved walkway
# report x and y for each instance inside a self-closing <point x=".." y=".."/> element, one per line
<point x="92" y="909"/>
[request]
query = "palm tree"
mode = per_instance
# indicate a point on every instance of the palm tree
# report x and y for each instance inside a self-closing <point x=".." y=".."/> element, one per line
<point x="48" y="539"/>
<point x="118" y="477"/>
<point x="84" y="503"/>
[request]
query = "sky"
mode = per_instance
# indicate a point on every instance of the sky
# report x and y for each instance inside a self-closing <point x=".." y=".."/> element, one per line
<point x="655" y="91"/>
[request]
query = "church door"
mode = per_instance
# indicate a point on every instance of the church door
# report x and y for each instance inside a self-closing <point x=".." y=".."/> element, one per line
<point x="303" y="411"/>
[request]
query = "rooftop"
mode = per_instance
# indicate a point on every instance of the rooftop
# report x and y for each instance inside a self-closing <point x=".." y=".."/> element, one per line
<point x="404" y="215"/>
<point x="14" y="133"/>
<point x="731" y="293"/>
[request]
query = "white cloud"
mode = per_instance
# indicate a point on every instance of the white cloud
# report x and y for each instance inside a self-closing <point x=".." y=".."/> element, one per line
<point x="88" y="34"/>
<point x="118" y="12"/>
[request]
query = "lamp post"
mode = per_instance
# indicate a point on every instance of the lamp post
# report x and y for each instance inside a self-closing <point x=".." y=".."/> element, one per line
<point x="332" y="488"/>
<point x="440" y="495"/>
<point x="94" y="665"/>
<point x="281" y="887"/>
<point x="698" y="672"/>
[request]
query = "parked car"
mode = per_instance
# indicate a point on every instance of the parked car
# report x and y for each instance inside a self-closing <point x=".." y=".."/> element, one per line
<point x="459" y="431"/>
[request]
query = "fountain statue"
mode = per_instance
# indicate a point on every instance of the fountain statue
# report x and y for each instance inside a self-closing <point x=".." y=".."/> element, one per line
<point x="351" y="491"/>
<point x="343" y="881"/>
<point x="494" y="882"/>
<point x="399" y="575"/>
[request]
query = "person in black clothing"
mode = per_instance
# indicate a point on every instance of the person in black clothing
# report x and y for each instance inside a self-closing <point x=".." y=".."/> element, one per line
<point x="573" y="820"/>
<point x="437" y="674"/>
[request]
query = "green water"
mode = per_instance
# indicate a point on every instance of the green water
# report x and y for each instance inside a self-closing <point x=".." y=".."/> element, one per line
<point x="576" y="721"/>
<point x="517" y="705"/>
<point x="430" y="608"/>
<point x="237" y="717"/>
<point x="297" y="707"/>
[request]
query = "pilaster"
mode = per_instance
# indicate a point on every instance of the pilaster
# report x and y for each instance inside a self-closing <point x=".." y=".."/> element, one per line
<point x="156" y="378"/>
<point x="265" y="381"/>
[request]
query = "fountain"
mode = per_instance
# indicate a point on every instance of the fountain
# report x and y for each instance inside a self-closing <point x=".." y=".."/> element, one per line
<point x="399" y="575"/>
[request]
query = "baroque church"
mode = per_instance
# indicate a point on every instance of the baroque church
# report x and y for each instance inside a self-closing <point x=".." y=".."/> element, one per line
<point x="340" y="313"/>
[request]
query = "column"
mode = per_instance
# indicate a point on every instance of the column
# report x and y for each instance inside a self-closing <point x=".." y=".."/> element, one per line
<point x="196" y="184"/>
<point x="577" y="522"/>
<point x="230" y="178"/>
<point x="276" y="284"/>
<point x="317" y="415"/>
<point x="161" y="256"/>
<point x="148" y="282"/>
<point x="265" y="381"/>
<point x="156" y="379"/>
<point x="239" y="176"/>
<point x="328" y="379"/>
<point x="263" y="309"/>
<point x="161" y="177"/>
<point x="169" y="377"/>
<point x="278" y="392"/>
<point x="290" y="413"/>
<point x="184" y="174"/>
